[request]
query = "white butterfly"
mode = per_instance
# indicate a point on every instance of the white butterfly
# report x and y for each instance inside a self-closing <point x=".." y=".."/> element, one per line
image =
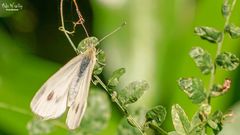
<point x="68" y="87"/>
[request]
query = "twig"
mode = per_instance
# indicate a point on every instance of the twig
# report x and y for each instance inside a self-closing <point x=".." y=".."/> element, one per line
<point x="63" y="27"/>
<point x="80" y="18"/>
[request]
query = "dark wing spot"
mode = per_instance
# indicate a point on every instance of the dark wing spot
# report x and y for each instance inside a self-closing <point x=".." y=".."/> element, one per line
<point x="76" y="110"/>
<point x="84" y="64"/>
<point x="50" y="96"/>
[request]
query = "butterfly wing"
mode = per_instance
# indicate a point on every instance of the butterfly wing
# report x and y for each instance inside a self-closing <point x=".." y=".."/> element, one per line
<point x="79" y="90"/>
<point x="51" y="99"/>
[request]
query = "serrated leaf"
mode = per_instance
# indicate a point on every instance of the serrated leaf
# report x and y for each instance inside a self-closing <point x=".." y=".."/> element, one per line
<point x="194" y="88"/>
<point x="97" y="114"/>
<point x="227" y="61"/>
<point x="156" y="114"/>
<point x="180" y="120"/>
<point x="84" y="44"/>
<point x="226" y="9"/>
<point x="208" y="33"/>
<point x="39" y="127"/>
<point x="132" y="92"/>
<point x="114" y="79"/>
<point x="233" y="31"/>
<point x="124" y="128"/>
<point x="202" y="59"/>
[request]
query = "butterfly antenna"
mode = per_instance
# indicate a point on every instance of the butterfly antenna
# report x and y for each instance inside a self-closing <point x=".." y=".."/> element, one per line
<point x="117" y="29"/>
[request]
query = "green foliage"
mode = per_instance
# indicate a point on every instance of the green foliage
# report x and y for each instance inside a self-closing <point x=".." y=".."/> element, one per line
<point x="114" y="79"/>
<point x="39" y="127"/>
<point x="218" y="89"/>
<point x="194" y="88"/>
<point x="208" y="33"/>
<point x="227" y="61"/>
<point x="156" y="115"/>
<point x="180" y="120"/>
<point x="215" y="121"/>
<point x="87" y="42"/>
<point x="132" y="92"/>
<point x="202" y="59"/>
<point x="101" y="60"/>
<point x="233" y="31"/>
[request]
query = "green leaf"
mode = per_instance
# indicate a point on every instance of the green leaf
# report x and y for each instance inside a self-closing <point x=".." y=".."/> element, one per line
<point x="114" y="79"/>
<point x="227" y="61"/>
<point x="132" y="92"/>
<point x="202" y="59"/>
<point x="233" y="31"/>
<point x="39" y="127"/>
<point x="97" y="69"/>
<point x="212" y="124"/>
<point x="180" y="120"/>
<point x="194" y="88"/>
<point x="225" y="9"/>
<point x="156" y="114"/>
<point x="97" y="114"/>
<point x="196" y="124"/>
<point x="86" y="43"/>
<point x="101" y="60"/>
<point x="215" y="121"/>
<point x="218" y="90"/>
<point x="101" y="57"/>
<point x="124" y="128"/>
<point x="208" y="33"/>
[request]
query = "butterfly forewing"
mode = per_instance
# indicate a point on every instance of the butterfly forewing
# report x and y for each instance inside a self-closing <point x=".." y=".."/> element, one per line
<point x="80" y="88"/>
<point x="51" y="99"/>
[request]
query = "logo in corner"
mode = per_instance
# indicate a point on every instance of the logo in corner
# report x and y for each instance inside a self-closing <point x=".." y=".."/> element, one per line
<point x="12" y="7"/>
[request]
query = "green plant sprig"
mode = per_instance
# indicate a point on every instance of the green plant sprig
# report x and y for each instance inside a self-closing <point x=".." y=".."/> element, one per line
<point x="194" y="87"/>
<point x="220" y="44"/>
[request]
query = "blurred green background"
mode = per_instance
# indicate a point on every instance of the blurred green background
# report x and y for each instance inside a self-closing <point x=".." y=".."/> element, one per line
<point x="153" y="46"/>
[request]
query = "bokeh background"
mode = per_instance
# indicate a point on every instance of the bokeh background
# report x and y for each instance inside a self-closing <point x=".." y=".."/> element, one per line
<point x="153" y="46"/>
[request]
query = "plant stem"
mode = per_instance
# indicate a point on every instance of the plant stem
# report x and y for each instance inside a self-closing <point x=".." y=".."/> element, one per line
<point x="123" y="108"/>
<point x="158" y="129"/>
<point x="63" y="27"/>
<point x="219" y="45"/>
